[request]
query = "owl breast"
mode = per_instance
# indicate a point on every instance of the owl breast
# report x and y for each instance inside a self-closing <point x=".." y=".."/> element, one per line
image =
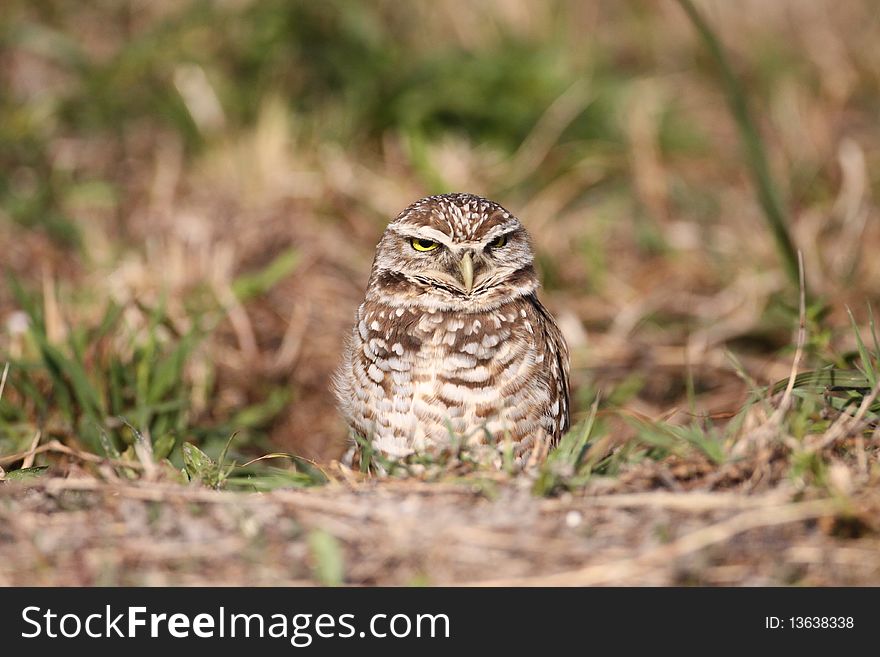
<point x="416" y="379"/>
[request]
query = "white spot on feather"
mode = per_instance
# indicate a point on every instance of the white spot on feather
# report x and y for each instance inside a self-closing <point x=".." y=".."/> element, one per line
<point x="375" y="373"/>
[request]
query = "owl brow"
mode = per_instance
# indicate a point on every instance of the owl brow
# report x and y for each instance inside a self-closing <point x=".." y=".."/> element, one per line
<point x="498" y="231"/>
<point x="422" y="232"/>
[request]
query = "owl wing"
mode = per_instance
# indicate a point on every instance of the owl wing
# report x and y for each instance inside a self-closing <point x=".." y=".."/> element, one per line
<point x="557" y="356"/>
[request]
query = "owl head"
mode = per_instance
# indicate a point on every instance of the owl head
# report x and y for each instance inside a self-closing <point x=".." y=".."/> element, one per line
<point x="453" y="252"/>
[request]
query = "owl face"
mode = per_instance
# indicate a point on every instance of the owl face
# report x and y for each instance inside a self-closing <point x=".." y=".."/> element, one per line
<point x="454" y="252"/>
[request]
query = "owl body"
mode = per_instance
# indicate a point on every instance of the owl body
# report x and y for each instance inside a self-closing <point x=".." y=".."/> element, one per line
<point x="451" y="341"/>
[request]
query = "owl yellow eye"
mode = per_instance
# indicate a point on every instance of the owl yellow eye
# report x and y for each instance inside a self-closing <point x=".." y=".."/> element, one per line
<point x="498" y="242"/>
<point x="423" y="245"/>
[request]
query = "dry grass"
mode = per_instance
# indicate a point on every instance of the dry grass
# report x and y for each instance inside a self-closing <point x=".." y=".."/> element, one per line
<point x="79" y="531"/>
<point x="192" y="156"/>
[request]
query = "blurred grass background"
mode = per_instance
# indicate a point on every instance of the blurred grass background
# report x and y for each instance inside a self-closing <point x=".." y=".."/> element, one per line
<point x="191" y="191"/>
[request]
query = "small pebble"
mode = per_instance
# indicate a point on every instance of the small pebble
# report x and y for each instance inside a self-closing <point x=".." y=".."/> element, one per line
<point x="573" y="519"/>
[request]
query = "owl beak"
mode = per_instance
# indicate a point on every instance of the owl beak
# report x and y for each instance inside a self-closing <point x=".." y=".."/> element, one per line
<point x="466" y="267"/>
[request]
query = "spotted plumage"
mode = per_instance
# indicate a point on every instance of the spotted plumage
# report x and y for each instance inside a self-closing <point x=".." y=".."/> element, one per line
<point x="451" y="338"/>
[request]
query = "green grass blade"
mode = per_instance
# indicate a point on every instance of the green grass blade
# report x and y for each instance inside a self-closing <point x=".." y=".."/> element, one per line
<point x="248" y="286"/>
<point x="70" y="372"/>
<point x="867" y="363"/>
<point x="756" y="158"/>
<point x="327" y="557"/>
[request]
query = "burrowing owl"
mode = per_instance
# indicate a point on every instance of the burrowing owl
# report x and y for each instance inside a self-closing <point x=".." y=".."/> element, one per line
<point x="451" y="339"/>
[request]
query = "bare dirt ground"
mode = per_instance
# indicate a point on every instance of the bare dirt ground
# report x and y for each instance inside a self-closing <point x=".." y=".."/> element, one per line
<point x="226" y="169"/>
<point x="80" y="531"/>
